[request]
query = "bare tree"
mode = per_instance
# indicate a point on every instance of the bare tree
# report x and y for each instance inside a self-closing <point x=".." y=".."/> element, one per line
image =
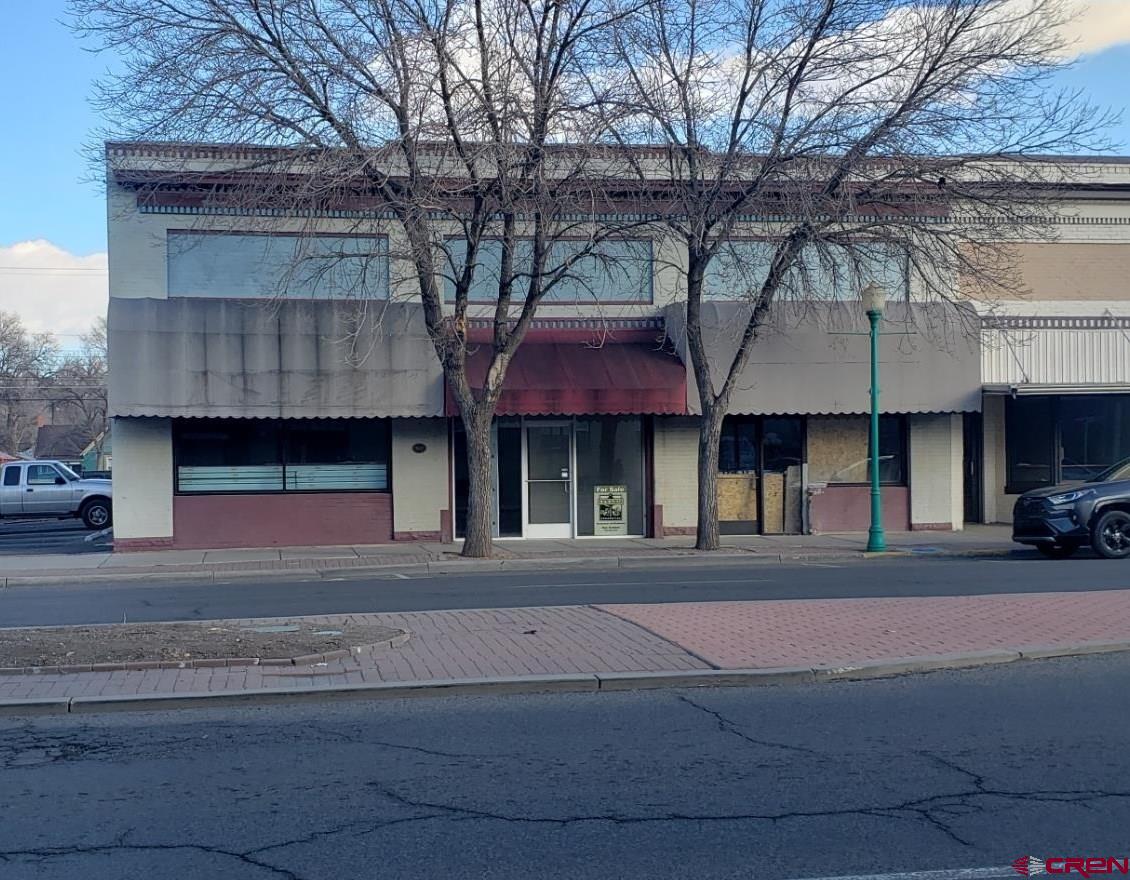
<point x="77" y="385"/>
<point x="470" y="123"/>
<point x="26" y="363"/>
<point x="837" y="130"/>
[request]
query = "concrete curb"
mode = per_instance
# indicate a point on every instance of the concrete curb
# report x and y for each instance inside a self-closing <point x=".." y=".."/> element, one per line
<point x="722" y="558"/>
<point x="536" y="684"/>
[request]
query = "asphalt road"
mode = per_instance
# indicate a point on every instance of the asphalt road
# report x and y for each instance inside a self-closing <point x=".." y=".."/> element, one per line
<point x="46" y="536"/>
<point x="109" y="602"/>
<point x="924" y="773"/>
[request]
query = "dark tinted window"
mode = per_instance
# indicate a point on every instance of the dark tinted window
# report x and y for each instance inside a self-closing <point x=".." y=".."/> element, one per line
<point x="12" y="475"/>
<point x="782" y="443"/>
<point x="892" y="450"/>
<point x="1029" y="430"/>
<point x="261" y="455"/>
<point x="1094" y="434"/>
<point x="737" y="449"/>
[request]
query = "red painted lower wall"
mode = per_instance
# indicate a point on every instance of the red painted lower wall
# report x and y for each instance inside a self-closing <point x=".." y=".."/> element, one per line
<point x="312" y="520"/>
<point x="848" y="509"/>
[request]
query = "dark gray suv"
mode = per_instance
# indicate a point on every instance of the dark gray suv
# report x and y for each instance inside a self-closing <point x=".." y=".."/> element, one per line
<point x="1060" y="520"/>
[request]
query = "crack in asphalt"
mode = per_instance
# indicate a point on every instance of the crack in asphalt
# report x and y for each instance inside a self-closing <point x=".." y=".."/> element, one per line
<point x="51" y="852"/>
<point x="362" y="739"/>
<point x="29" y="748"/>
<point x="725" y="725"/>
<point x="932" y="810"/>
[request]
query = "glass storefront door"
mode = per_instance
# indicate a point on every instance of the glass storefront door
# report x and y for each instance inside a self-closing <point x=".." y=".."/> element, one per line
<point x="561" y="478"/>
<point x="549" y="480"/>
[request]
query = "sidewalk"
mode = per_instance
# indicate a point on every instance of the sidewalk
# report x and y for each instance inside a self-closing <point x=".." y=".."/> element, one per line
<point x="435" y="558"/>
<point x="603" y="647"/>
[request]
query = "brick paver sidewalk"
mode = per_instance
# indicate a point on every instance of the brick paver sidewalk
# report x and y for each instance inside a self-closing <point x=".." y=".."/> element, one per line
<point x="489" y="643"/>
<point x="738" y="635"/>
<point x="442" y="645"/>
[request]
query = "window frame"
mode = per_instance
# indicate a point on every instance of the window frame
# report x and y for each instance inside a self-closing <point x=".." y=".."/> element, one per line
<point x="260" y="233"/>
<point x="50" y="467"/>
<point x="280" y="426"/>
<point x="12" y="469"/>
<point x="903" y="296"/>
<point x="449" y="296"/>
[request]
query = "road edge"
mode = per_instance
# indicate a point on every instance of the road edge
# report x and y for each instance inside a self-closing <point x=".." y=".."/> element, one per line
<point x="478" y="566"/>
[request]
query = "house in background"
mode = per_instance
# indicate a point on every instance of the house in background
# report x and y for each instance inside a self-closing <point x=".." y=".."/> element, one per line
<point x="65" y="443"/>
<point x="97" y="456"/>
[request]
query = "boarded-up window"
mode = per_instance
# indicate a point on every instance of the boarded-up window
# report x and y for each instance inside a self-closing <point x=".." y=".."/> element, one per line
<point x="250" y="266"/>
<point x="838" y="449"/>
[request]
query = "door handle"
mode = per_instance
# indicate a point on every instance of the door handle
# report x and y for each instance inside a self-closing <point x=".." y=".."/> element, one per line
<point x="31" y="490"/>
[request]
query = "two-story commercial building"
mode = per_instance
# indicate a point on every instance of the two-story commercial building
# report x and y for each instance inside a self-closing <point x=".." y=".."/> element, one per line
<point x="254" y="406"/>
<point x="1056" y="363"/>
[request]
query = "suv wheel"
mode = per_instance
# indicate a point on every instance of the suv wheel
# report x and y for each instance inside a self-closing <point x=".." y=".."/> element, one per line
<point x="96" y="514"/>
<point x="1058" y="551"/>
<point x="1110" y="535"/>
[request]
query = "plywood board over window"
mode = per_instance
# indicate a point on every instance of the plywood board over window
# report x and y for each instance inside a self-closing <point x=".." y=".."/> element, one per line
<point x="838" y="449"/>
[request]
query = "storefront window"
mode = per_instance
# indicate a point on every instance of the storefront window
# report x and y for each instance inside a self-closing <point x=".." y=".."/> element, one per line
<point x="737" y="449"/>
<point x="1050" y="440"/>
<point x="1094" y="434"/>
<point x="610" y="472"/>
<point x="259" y="455"/>
<point x="783" y="444"/>
<point x="507" y="485"/>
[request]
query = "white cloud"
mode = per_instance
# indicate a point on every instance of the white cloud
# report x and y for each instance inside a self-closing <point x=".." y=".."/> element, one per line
<point x="1098" y="25"/>
<point x="53" y="290"/>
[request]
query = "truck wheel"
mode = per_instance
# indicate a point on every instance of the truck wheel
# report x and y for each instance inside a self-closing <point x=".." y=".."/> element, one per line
<point x="1110" y="535"/>
<point x="96" y="514"/>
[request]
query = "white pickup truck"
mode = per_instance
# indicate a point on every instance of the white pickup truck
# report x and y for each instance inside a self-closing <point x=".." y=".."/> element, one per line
<point x="30" y="489"/>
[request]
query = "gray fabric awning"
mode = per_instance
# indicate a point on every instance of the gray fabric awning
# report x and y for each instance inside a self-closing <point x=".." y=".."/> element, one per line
<point x="813" y="358"/>
<point x="289" y="359"/>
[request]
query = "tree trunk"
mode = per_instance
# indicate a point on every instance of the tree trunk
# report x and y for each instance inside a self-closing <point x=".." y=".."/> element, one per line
<point x="709" y="437"/>
<point x="478" y="538"/>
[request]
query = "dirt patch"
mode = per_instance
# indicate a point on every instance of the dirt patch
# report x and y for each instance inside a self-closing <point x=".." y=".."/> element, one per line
<point x="183" y="642"/>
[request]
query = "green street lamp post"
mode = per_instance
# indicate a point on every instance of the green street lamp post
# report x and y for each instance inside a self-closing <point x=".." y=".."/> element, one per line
<point x="874" y="300"/>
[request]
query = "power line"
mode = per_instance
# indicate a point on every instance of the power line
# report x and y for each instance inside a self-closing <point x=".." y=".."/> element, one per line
<point x="27" y="270"/>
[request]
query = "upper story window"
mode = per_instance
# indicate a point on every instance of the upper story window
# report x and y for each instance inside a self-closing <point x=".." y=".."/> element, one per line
<point x="234" y="265"/>
<point x="614" y="271"/>
<point x="827" y="273"/>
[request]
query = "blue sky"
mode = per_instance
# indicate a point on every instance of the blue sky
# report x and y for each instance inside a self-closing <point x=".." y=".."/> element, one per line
<point x="48" y="78"/>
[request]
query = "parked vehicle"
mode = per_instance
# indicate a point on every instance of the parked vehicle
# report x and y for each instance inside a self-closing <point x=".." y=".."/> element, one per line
<point x="50" y="489"/>
<point x="1060" y="520"/>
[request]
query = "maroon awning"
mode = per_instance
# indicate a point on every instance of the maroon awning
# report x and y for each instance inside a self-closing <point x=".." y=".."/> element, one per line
<point x="568" y="379"/>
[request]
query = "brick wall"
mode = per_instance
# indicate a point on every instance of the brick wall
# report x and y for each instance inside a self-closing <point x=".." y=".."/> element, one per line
<point x="316" y="519"/>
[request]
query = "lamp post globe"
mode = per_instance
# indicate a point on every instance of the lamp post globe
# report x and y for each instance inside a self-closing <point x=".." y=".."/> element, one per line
<point x="874" y="299"/>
